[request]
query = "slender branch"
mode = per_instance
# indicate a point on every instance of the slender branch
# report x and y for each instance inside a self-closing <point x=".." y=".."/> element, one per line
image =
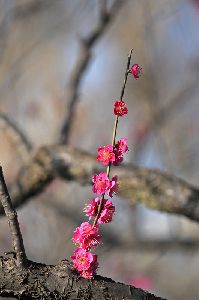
<point x="114" y="134"/>
<point x="154" y="188"/>
<point x="126" y="74"/>
<point x="11" y="214"/>
<point x="17" y="133"/>
<point x="82" y="63"/>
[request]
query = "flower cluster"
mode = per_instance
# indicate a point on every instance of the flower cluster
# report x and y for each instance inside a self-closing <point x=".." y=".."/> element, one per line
<point x="106" y="214"/>
<point x="112" y="154"/>
<point x="103" y="185"/>
<point x="87" y="235"/>
<point x="85" y="262"/>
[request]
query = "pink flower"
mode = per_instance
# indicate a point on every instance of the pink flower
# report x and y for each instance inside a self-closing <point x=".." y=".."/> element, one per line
<point x="92" y="207"/>
<point x="113" y="186"/>
<point x="121" y="145"/>
<point x="118" y="159"/>
<point x="87" y="236"/>
<point x="105" y="154"/>
<point x="119" y="149"/>
<point x="120" y="108"/>
<point x="101" y="183"/>
<point x="136" y="71"/>
<point x="107" y="212"/>
<point x="85" y="262"/>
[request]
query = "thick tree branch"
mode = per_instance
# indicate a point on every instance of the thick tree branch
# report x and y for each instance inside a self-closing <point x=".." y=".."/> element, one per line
<point x="84" y="57"/>
<point x="13" y="222"/>
<point x="154" y="188"/>
<point x="40" y="281"/>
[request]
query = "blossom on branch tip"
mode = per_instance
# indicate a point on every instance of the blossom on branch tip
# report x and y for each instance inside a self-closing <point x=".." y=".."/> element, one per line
<point x="87" y="236"/>
<point x="106" y="213"/>
<point x="135" y="71"/>
<point x="120" y="108"/>
<point x="85" y="262"/>
<point x="106" y="155"/>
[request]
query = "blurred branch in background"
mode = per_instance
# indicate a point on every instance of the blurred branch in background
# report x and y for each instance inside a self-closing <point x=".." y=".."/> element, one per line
<point x="156" y="189"/>
<point x="106" y="16"/>
<point x="7" y="124"/>
<point x="161" y="115"/>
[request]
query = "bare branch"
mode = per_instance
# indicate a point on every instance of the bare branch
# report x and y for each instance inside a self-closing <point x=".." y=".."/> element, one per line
<point x="60" y="282"/>
<point x="84" y="57"/>
<point x="17" y="134"/>
<point x="13" y="222"/>
<point x="156" y="189"/>
<point x="30" y="7"/>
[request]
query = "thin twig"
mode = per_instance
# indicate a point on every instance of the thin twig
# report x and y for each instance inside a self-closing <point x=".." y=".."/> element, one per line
<point x="13" y="222"/>
<point x="17" y="132"/>
<point x="100" y="207"/>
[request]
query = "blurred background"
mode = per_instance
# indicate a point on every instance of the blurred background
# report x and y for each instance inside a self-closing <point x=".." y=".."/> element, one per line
<point x="40" y="43"/>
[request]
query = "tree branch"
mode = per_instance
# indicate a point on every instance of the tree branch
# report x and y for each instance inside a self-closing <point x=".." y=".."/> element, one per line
<point x="154" y="188"/>
<point x="13" y="222"/>
<point x="84" y="57"/>
<point x="17" y="133"/>
<point x="45" y="282"/>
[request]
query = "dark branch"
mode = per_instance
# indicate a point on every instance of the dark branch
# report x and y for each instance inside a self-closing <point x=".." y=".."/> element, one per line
<point x="40" y="281"/>
<point x="156" y="189"/>
<point x="13" y="222"/>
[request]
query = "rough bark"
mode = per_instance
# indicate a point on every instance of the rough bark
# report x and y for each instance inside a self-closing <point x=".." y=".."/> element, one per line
<point x="156" y="189"/>
<point x="40" y="281"/>
<point x="11" y="215"/>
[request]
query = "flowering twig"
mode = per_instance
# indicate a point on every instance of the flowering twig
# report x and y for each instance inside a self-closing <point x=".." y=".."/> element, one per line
<point x="114" y="132"/>
<point x="86" y="235"/>
<point x="13" y="222"/>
